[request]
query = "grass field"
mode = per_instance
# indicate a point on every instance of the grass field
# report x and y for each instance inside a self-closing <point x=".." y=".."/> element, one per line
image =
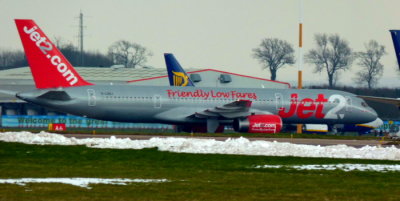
<point x="192" y="176"/>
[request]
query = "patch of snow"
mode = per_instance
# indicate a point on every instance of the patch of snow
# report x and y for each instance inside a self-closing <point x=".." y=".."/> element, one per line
<point x="81" y="182"/>
<point x="240" y="146"/>
<point x="345" y="167"/>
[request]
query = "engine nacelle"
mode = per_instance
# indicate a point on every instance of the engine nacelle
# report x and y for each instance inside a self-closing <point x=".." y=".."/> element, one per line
<point x="258" y="124"/>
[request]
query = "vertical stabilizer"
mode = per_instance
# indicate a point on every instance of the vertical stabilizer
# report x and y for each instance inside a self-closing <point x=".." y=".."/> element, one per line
<point x="176" y="75"/>
<point x="396" y="42"/>
<point x="50" y="69"/>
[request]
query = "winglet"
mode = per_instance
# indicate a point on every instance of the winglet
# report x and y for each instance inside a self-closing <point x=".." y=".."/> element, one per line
<point x="50" y="69"/>
<point x="396" y="42"/>
<point x="176" y="75"/>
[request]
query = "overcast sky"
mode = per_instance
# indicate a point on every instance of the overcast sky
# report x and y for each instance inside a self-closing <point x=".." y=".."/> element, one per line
<point x="217" y="34"/>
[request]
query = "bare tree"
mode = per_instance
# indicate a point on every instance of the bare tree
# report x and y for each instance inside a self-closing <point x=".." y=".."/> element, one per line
<point x="91" y="58"/>
<point x="129" y="54"/>
<point x="332" y="54"/>
<point x="369" y="61"/>
<point x="58" y="41"/>
<point x="274" y="54"/>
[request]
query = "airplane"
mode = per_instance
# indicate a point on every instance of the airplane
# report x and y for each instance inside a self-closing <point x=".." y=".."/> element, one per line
<point x="361" y="129"/>
<point x="61" y="88"/>
<point x="173" y="65"/>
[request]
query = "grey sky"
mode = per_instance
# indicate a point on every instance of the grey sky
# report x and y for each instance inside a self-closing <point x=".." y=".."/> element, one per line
<point x="216" y="34"/>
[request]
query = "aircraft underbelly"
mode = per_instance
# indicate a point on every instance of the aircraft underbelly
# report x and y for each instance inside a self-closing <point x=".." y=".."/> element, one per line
<point x="125" y="113"/>
<point x="309" y="120"/>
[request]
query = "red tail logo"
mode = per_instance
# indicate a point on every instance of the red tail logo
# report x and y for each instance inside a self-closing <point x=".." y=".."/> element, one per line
<point x="50" y="69"/>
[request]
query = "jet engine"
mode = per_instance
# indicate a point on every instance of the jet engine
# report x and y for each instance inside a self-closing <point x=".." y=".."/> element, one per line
<point x="258" y="124"/>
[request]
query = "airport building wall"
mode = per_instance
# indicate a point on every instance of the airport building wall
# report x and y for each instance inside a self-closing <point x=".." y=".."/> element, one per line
<point x="72" y="122"/>
<point x="216" y="78"/>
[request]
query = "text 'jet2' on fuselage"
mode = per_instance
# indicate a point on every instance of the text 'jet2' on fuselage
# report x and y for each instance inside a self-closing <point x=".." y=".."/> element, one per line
<point x="60" y="87"/>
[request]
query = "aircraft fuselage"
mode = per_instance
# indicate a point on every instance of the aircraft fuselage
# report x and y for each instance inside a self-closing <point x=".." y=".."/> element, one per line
<point x="177" y="105"/>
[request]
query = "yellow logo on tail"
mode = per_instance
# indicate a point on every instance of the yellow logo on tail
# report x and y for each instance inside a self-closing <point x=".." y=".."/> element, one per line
<point x="180" y="79"/>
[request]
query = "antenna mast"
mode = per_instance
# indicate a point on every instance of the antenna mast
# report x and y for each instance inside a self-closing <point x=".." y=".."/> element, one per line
<point x="81" y="37"/>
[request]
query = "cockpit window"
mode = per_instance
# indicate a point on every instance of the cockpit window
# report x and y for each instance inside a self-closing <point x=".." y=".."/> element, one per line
<point x="348" y="99"/>
<point x="364" y="104"/>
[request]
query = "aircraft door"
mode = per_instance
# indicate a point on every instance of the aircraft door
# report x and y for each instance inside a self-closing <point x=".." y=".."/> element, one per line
<point x="91" y="97"/>
<point x="157" y="101"/>
<point x="278" y="101"/>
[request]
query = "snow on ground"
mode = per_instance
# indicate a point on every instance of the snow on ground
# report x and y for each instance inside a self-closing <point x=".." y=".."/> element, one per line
<point x="81" y="182"/>
<point x="241" y="146"/>
<point x="344" y="167"/>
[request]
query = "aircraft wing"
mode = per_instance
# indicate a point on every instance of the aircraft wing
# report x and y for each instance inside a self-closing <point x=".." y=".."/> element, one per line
<point x="394" y="101"/>
<point x="239" y="108"/>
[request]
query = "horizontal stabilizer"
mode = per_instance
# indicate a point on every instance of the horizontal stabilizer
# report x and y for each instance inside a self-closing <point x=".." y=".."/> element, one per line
<point x="55" y="95"/>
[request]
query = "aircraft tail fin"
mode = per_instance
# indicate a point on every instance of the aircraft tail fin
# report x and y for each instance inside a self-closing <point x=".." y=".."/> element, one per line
<point x="49" y="67"/>
<point x="396" y="42"/>
<point x="176" y="75"/>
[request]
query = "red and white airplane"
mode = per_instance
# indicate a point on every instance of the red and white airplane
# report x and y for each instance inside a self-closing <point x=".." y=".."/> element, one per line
<point x="60" y="87"/>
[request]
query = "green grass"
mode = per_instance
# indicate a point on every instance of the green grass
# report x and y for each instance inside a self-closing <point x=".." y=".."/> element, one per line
<point x="192" y="176"/>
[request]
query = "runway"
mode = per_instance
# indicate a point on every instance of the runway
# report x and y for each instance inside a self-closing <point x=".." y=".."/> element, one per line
<point x="304" y="141"/>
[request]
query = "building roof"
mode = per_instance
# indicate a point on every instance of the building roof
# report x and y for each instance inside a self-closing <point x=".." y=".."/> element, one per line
<point x="90" y="73"/>
<point x="23" y="75"/>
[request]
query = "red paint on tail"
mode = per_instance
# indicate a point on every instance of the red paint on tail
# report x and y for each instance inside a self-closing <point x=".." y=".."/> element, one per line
<point x="50" y="69"/>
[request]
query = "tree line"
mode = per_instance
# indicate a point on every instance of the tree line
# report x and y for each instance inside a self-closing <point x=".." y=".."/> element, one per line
<point x="332" y="55"/>
<point x="125" y="53"/>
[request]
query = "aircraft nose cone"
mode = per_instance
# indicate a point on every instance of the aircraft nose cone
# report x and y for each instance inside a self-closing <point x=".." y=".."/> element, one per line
<point x="377" y="123"/>
<point x="371" y="115"/>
